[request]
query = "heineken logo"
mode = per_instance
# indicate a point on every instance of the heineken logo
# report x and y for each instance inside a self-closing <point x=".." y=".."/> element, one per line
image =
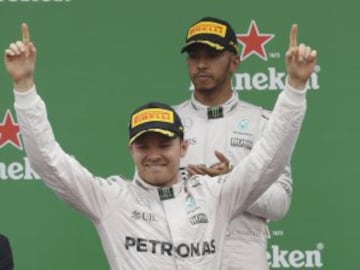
<point x="17" y="171"/>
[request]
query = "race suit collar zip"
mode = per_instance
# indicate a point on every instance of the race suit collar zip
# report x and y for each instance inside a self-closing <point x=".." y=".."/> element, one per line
<point x="162" y="193"/>
<point x="215" y="112"/>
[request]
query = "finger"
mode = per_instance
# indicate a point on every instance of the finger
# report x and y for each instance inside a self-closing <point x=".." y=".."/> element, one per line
<point x="293" y="36"/>
<point x="313" y="56"/>
<point x="9" y="52"/>
<point x="190" y="171"/>
<point x="218" y="165"/>
<point x="212" y="172"/>
<point x="203" y="171"/>
<point x="196" y="165"/>
<point x="290" y="53"/>
<point x="20" y="46"/>
<point x="14" y="48"/>
<point x="307" y="52"/>
<point x="217" y="171"/>
<point x="32" y="48"/>
<point x="25" y="34"/>
<point x="196" y="169"/>
<point x="215" y="165"/>
<point x="221" y="157"/>
<point x="301" y="52"/>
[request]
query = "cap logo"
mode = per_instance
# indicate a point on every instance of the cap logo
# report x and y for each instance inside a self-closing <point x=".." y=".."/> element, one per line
<point x="150" y="115"/>
<point x="207" y="28"/>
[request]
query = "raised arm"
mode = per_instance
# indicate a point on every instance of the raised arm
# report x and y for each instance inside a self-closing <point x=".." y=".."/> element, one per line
<point x="60" y="171"/>
<point x="270" y="155"/>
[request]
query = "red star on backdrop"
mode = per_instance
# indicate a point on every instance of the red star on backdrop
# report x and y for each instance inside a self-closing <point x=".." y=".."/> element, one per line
<point x="9" y="131"/>
<point x="254" y="42"/>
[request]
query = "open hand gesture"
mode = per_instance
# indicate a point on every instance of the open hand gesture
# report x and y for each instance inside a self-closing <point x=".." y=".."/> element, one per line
<point x="219" y="168"/>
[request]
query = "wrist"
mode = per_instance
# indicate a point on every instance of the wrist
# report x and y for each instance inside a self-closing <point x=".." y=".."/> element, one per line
<point x="26" y="99"/>
<point x="23" y="85"/>
<point x="296" y="84"/>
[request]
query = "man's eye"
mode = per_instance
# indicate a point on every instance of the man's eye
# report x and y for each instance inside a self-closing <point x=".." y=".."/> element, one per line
<point x="193" y="55"/>
<point x="165" y="145"/>
<point x="141" y="146"/>
<point x="213" y="54"/>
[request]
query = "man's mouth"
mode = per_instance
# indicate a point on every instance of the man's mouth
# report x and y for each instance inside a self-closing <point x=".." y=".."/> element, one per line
<point x="155" y="165"/>
<point x="202" y="76"/>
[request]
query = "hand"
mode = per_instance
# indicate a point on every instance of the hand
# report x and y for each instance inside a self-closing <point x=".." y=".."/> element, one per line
<point x="19" y="61"/>
<point x="300" y="61"/>
<point x="219" y="168"/>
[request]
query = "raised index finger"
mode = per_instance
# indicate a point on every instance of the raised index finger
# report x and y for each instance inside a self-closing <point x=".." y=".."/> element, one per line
<point x="25" y="34"/>
<point x="293" y="36"/>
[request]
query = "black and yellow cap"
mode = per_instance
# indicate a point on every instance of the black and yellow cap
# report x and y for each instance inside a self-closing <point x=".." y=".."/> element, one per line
<point x="213" y="32"/>
<point x="155" y="117"/>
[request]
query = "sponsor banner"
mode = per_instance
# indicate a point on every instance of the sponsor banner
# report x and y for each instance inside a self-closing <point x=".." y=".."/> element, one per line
<point x="96" y="63"/>
<point x="183" y="250"/>
<point x="280" y="258"/>
<point x="283" y="253"/>
<point x="17" y="170"/>
<point x="10" y="137"/>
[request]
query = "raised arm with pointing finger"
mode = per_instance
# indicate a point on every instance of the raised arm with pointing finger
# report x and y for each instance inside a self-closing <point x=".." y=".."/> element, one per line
<point x="220" y="140"/>
<point x="157" y="220"/>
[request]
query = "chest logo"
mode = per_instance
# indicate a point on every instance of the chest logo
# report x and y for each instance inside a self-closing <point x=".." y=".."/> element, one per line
<point x="243" y="125"/>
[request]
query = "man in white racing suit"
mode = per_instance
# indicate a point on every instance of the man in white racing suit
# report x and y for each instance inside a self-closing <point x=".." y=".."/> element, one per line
<point x="219" y="126"/>
<point x="158" y="221"/>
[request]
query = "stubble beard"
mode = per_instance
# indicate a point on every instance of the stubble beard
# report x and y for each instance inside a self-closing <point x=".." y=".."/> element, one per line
<point x="207" y="91"/>
<point x="219" y="83"/>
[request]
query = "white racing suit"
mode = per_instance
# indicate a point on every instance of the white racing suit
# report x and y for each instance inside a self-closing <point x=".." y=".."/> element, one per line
<point x="146" y="227"/>
<point x="233" y="128"/>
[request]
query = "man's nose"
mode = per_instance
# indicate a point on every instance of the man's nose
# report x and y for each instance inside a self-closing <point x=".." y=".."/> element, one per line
<point x="154" y="153"/>
<point x="202" y="62"/>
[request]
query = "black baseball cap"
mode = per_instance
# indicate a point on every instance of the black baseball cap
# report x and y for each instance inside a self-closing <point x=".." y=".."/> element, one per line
<point x="213" y="32"/>
<point x="155" y="117"/>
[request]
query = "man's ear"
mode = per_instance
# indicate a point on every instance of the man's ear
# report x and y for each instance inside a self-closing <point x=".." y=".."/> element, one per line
<point x="131" y="149"/>
<point x="235" y="63"/>
<point x="184" y="147"/>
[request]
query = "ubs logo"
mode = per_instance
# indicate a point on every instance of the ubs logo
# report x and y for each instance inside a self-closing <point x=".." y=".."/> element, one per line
<point x="145" y="216"/>
<point x="192" y="141"/>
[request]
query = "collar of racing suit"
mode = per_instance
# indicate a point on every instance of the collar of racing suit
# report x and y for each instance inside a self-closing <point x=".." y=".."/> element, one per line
<point x="215" y="112"/>
<point x="161" y="193"/>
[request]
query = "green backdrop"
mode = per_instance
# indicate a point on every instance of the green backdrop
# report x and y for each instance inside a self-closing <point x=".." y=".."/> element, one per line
<point x="97" y="60"/>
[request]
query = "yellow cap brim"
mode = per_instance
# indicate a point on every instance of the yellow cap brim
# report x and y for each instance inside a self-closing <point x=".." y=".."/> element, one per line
<point x="165" y="132"/>
<point x="211" y="44"/>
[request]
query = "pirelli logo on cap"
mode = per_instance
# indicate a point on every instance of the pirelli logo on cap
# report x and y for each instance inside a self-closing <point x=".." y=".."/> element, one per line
<point x="151" y="115"/>
<point x="207" y="28"/>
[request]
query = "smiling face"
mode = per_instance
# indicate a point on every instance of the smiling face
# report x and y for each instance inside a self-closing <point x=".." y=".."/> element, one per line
<point x="157" y="158"/>
<point x="210" y="70"/>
